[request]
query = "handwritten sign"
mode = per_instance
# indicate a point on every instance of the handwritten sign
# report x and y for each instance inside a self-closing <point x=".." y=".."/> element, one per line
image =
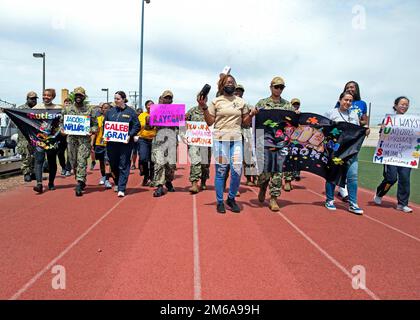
<point x="167" y="115"/>
<point x="116" y="131"/>
<point x="198" y="134"/>
<point x="76" y="125"/>
<point x="399" y="142"/>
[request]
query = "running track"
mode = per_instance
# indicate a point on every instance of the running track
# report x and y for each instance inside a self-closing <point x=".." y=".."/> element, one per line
<point x="177" y="247"/>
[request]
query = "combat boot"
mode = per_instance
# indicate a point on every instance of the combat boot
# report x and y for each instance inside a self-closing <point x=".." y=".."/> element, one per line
<point x="79" y="192"/>
<point x="194" y="188"/>
<point x="203" y="184"/>
<point x="288" y="186"/>
<point x="261" y="194"/>
<point x="169" y="186"/>
<point x="273" y="204"/>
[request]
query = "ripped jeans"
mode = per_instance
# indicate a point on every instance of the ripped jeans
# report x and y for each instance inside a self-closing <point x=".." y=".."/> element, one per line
<point x="227" y="153"/>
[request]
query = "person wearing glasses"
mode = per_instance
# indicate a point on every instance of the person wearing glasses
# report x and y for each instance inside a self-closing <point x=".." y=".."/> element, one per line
<point x="274" y="179"/>
<point x="227" y="112"/>
<point x="392" y="174"/>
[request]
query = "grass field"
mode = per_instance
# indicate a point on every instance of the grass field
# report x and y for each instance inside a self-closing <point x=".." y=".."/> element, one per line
<point x="370" y="175"/>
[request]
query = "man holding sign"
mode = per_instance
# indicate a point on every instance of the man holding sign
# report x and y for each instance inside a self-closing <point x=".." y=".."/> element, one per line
<point x="79" y="123"/>
<point x="121" y="125"/>
<point x="167" y="118"/>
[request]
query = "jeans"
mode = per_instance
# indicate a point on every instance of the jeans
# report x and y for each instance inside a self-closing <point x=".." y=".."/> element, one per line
<point x="353" y="168"/>
<point x="39" y="163"/>
<point x="227" y="153"/>
<point x="392" y="174"/>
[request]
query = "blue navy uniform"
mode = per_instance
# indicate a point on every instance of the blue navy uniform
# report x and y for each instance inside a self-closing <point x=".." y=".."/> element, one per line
<point x="119" y="154"/>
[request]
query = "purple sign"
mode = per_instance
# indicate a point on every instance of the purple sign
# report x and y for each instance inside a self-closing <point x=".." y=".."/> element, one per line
<point x="167" y="115"/>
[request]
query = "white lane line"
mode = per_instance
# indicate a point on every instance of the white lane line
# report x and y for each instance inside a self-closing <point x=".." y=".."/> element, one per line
<point x="196" y="245"/>
<point x="62" y="254"/>
<point x="325" y="254"/>
<point x="378" y="221"/>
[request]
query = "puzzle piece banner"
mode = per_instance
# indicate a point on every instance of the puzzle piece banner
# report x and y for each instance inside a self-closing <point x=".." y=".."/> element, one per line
<point x="116" y="131"/>
<point x="399" y="141"/>
<point x="308" y="142"/>
<point x="76" y="125"/>
<point x="167" y="115"/>
<point x="40" y="127"/>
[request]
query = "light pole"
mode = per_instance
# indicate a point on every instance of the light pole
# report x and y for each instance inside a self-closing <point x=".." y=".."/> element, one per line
<point x="42" y="55"/>
<point x="107" y="94"/>
<point x="141" y="54"/>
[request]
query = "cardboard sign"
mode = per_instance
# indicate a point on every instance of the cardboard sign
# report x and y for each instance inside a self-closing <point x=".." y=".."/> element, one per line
<point x="167" y="115"/>
<point x="399" y="141"/>
<point x="76" y="125"/>
<point x="198" y="134"/>
<point x="116" y="131"/>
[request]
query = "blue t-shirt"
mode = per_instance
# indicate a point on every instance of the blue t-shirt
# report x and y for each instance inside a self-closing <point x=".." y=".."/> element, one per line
<point x="359" y="106"/>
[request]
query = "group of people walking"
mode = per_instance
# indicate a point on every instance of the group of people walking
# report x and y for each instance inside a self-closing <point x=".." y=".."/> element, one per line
<point x="231" y="117"/>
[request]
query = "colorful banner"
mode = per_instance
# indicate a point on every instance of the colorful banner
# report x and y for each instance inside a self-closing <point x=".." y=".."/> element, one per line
<point x="198" y="134"/>
<point x="76" y="125"/>
<point x="167" y="115"/>
<point x="116" y="131"/>
<point x="39" y="126"/>
<point x="399" y="141"/>
<point x="308" y="142"/>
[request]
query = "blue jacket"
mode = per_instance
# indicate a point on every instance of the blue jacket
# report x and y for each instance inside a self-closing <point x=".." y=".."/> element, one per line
<point x="127" y="115"/>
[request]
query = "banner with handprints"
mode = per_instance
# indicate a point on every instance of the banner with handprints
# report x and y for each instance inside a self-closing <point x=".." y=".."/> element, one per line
<point x="39" y="126"/>
<point x="308" y="142"/>
<point x="399" y="141"/>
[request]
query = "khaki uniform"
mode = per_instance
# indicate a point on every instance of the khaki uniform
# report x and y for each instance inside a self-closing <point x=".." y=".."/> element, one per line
<point x="26" y="150"/>
<point x="200" y="157"/>
<point x="79" y="146"/>
<point x="274" y="179"/>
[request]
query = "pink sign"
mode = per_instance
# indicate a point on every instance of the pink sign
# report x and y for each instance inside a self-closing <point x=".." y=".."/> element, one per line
<point x="167" y="115"/>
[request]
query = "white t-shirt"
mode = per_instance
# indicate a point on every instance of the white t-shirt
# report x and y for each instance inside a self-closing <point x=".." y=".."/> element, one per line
<point x="343" y="116"/>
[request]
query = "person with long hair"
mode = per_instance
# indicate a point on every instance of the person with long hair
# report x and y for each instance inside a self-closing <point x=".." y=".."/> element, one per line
<point x="227" y="113"/>
<point x="119" y="153"/>
<point x="393" y="174"/>
<point x="345" y="114"/>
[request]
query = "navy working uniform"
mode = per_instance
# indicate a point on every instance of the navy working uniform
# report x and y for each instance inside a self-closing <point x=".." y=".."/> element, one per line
<point x="119" y="153"/>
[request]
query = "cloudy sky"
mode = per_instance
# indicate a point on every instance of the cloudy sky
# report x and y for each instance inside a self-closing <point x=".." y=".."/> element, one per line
<point x="316" y="46"/>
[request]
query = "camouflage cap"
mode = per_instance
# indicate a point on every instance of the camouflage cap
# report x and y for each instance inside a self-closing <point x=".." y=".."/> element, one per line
<point x="79" y="90"/>
<point x="295" y="100"/>
<point x="167" y="93"/>
<point x="32" y="94"/>
<point x="240" y="87"/>
<point x="277" y="81"/>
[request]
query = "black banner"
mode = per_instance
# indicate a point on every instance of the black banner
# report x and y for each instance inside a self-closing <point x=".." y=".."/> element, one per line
<point x="39" y="126"/>
<point x="308" y="142"/>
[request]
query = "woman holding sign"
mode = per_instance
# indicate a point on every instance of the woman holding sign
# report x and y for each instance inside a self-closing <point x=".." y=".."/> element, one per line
<point x="227" y="112"/>
<point x="121" y="125"/>
<point x="392" y="174"/>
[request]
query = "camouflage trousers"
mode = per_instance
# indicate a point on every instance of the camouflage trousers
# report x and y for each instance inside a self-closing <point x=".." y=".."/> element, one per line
<point x="79" y="153"/>
<point x="27" y="153"/>
<point x="273" y="180"/>
<point x="200" y="158"/>
<point x="164" y="157"/>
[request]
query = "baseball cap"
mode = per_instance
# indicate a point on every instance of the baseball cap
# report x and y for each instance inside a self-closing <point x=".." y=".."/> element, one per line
<point x="240" y="87"/>
<point x="167" y="93"/>
<point x="31" y="94"/>
<point x="80" y="90"/>
<point x="277" y="81"/>
<point x="295" y="100"/>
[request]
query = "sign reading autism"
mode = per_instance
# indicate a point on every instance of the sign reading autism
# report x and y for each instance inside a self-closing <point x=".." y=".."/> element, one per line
<point x="76" y="125"/>
<point x="399" y="141"/>
<point x="167" y="115"/>
<point x="198" y="134"/>
<point x="116" y="131"/>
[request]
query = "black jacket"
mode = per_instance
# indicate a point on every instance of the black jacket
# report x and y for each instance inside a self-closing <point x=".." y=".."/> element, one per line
<point x="127" y="115"/>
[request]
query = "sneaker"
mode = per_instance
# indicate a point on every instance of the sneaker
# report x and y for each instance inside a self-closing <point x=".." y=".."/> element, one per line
<point x="38" y="188"/>
<point x="354" y="208"/>
<point x="121" y="194"/>
<point x="115" y="188"/>
<point x="377" y="199"/>
<point x="68" y="173"/>
<point x="405" y="209"/>
<point x="27" y="178"/>
<point x="330" y="205"/>
<point x="63" y="172"/>
<point x="233" y="205"/>
<point x="159" y="192"/>
<point x="108" y="184"/>
<point x="51" y="186"/>
<point x="102" y="181"/>
<point x="221" y="208"/>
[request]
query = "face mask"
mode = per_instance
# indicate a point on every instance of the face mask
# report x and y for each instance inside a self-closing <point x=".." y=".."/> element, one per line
<point x="229" y="90"/>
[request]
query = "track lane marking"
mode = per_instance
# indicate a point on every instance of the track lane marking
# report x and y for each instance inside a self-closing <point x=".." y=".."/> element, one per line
<point x="196" y="246"/>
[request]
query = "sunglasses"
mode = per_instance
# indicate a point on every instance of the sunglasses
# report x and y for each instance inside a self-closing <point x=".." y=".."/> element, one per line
<point x="296" y="104"/>
<point x="279" y="86"/>
<point x="168" y="98"/>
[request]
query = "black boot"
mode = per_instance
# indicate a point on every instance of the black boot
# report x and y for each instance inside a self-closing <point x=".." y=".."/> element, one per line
<point x="233" y="205"/>
<point x="169" y="186"/>
<point x="51" y="186"/>
<point x="159" y="192"/>
<point x="221" y="208"/>
<point x="79" y="189"/>
<point x="27" y="178"/>
<point x="38" y="188"/>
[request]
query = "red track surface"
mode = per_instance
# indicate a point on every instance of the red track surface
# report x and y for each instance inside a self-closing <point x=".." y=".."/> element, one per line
<point x="177" y="247"/>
